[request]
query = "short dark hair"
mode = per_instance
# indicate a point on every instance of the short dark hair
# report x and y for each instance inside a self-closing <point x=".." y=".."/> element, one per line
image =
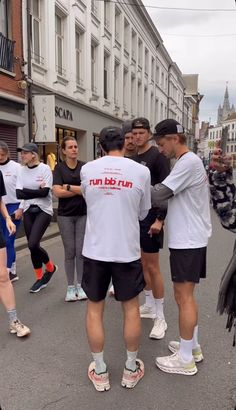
<point x="111" y="139"/>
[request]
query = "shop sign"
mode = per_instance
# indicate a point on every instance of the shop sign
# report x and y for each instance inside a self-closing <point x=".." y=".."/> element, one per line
<point x="63" y="113"/>
<point x="44" y="108"/>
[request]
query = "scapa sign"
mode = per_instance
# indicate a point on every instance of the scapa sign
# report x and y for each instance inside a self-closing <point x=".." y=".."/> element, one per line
<point x="44" y="106"/>
<point x="63" y="113"/>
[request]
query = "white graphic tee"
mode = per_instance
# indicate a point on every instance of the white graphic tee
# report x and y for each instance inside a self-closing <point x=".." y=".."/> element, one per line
<point x="32" y="178"/>
<point x="10" y="171"/>
<point x="188" y="217"/>
<point x="117" y="193"/>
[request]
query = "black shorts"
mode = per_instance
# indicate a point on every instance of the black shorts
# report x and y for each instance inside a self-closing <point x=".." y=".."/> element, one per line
<point x="188" y="265"/>
<point x="150" y="244"/>
<point x="127" y="279"/>
<point x="2" y="239"/>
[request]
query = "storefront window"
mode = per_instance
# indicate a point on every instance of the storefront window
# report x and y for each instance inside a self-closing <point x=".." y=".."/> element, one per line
<point x="97" y="150"/>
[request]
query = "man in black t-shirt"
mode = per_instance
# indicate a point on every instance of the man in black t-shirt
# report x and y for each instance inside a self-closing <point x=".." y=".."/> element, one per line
<point x="151" y="229"/>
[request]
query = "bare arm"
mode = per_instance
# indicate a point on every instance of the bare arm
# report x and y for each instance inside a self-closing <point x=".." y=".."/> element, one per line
<point x="10" y="225"/>
<point x="60" y="191"/>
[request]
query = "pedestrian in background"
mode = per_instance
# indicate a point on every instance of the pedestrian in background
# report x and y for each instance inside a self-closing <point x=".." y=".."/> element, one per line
<point x="10" y="170"/>
<point x="7" y="296"/>
<point x="189" y="227"/>
<point x="34" y="183"/>
<point x="71" y="216"/>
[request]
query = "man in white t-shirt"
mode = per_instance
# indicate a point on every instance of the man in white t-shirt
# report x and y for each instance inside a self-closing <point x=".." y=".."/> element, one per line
<point x="117" y="193"/>
<point x="189" y="227"/>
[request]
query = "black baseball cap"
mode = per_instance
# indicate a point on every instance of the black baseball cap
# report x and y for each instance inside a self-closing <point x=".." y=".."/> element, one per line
<point x="167" y="127"/>
<point x="141" y="122"/>
<point x="29" y="147"/>
<point x="127" y="127"/>
<point x="111" y="134"/>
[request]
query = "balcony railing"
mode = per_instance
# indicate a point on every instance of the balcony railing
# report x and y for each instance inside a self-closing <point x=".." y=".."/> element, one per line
<point x="6" y="53"/>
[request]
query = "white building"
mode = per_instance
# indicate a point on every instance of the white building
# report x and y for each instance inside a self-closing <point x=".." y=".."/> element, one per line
<point x="230" y="123"/>
<point x="104" y="62"/>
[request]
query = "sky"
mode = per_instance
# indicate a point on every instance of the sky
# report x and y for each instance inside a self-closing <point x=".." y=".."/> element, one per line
<point x="201" y="43"/>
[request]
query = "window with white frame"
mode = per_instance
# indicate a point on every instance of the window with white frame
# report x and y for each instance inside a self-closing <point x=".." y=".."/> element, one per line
<point x="94" y="52"/>
<point x="133" y="94"/>
<point x="162" y="112"/>
<point x="106" y="76"/>
<point x="116" y="82"/>
<point x="156" y="109"/>
<point x="4" y="18"/>
<point x="152" y="69"/>
<point x="152" y="108"/>
<point x="79" y="36"/>
<point x="162" y="80"/>
<point x="139" y="98"/>
<point x="145" y="101"/>
<point x="107" y="14"/>
<point x="36" y="31"/>
<point x="125" y="88"/>
<point x="94" y="7"/>
<point x="140" y="53"/>
<point x="126" y="35"/>
<point x="59" y="44"/>
<point x="134" y="45"/>
<point x="157" y="74"/>
<point x="146" y="60"/>
<point x="117" y="24"/>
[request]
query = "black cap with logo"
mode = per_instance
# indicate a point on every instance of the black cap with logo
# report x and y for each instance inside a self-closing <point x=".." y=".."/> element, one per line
<point x="141" y="122"/>
<point x="168" y="127"/>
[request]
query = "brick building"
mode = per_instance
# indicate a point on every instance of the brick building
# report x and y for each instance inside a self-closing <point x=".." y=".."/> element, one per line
<point x="12" y="84"/>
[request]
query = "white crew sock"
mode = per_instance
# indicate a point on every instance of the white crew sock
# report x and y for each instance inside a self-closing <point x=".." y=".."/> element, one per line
<point x="195" y="338"/>
<point x="100" y="365"/>
<point x="130" y="363"/>
<point x="159" y="304"/>
<point x="149" y="299"/>
<point x="185" y="350"/>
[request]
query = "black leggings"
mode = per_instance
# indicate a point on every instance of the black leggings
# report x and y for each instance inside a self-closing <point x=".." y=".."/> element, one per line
<point x="35" y="225"/>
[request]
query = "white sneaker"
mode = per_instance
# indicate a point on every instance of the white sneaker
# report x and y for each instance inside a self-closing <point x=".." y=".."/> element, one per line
<point x="16" y="327"/>
<point x="81" y="295"/>
<point x="174" y="364"/>
<point x="146" y="312"/>
<point x="13" y="268"/>
<point x="71" y="294"/>
<point x="197" y="353"/>
<point x="159" y="329"/>
<point x="111" y="291"/>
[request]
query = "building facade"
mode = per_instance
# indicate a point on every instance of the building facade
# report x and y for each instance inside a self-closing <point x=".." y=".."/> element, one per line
<point x="102" y="62"/>
<point x="226" y="109"/>
<point x="12" y="83"/>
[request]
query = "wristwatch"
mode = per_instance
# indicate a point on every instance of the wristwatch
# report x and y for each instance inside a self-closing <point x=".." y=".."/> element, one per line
<point x="68" y="187"/>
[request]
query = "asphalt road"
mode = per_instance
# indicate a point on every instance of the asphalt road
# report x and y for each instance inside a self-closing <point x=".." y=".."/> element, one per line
<point x="49" y="369"/>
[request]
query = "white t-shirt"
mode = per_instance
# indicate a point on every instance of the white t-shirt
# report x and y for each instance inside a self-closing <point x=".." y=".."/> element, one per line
<point x="189" y="222"/>
<point x="117" y="192"/>
<point x="10" y="172"/>
<point x="32" y="178"/>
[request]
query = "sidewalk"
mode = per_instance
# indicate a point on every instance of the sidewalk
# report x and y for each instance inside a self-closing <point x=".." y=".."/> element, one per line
<point x="51" y="232"/>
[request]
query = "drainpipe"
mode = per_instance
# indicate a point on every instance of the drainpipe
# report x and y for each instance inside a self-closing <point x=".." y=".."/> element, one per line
<point x="30" y="102"/>
<point x="168" y="90"/>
